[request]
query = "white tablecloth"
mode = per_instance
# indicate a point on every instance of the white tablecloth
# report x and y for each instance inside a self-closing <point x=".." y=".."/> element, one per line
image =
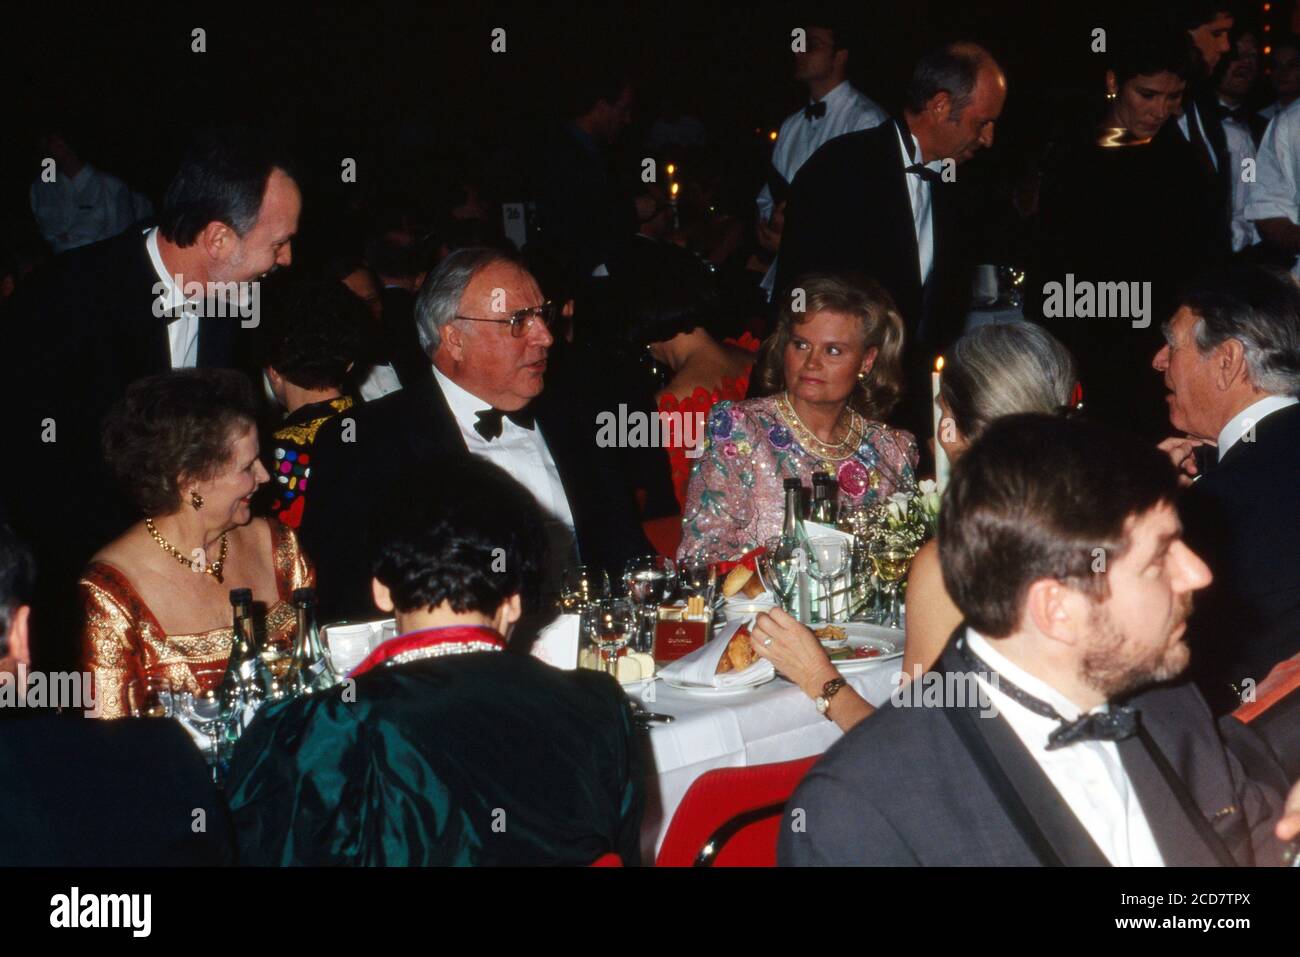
<point x="775" y="722"/>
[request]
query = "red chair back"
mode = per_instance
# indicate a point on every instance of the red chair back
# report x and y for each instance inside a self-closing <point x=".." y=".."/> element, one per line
<point x="1280" y="682"/>
<point x="736" y="811"/>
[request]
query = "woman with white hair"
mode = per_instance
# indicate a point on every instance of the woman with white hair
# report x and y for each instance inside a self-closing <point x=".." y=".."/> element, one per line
<point x="996" y="370"/>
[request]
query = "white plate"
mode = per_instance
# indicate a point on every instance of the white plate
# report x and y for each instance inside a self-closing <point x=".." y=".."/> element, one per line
<point x="888" y="640"/>
<point x="715" y="692"/>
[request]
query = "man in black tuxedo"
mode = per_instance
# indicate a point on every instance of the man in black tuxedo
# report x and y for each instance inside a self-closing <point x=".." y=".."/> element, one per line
<point x="180" y="295"/>
<point x="84" y="793"/>
<point x="1050" y="734"/>
<point x="483" y="321"/>
<point x="1209" y="25"/>
<point x="879" y="202"/>
<point x="1232" y="365"/>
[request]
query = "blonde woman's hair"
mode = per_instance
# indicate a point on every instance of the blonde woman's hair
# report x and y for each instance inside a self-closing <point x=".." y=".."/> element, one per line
<point x="881" y="324"/>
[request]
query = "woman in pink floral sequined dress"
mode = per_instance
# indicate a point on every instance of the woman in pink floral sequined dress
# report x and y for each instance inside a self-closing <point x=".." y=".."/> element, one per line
<point x="834" y="371"/>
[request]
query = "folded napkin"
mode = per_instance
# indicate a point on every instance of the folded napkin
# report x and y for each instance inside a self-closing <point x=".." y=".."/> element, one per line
<point x="699" y="669"/>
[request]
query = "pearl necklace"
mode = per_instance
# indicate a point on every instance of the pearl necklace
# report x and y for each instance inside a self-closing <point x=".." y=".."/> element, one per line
<point x="212" y="568"/>
<point x="835" y="452"/>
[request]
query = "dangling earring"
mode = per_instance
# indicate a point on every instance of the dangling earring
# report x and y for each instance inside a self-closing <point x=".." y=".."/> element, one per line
<point x="1111" y="92"/>
<point x="196" y="500"/>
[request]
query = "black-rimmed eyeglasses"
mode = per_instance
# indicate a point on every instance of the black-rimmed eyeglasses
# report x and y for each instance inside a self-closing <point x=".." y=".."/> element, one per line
<point x="521" y="321"/>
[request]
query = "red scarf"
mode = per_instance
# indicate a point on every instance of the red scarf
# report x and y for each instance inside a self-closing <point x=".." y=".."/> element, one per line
<point x="449" y="635"/>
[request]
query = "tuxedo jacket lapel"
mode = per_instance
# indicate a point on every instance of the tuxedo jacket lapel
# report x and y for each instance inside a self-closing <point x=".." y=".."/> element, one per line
<point x="1181" y="841"/>
<point x="443" y="435"/>
<point x="900" y="212"/>
<point x="1027" y="796"/>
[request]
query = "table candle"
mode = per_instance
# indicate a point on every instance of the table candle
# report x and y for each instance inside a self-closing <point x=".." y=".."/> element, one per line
<point x="941" y="466"/>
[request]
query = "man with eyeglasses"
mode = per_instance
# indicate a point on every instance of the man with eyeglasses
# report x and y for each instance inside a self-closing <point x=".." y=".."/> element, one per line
<point x="487" y="330"/>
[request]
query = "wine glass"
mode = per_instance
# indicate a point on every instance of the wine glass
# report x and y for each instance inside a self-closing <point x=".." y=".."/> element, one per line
<point x="581" y="585"/>
<point x="151" y="696"/>
<point x="648" y="581"/>
<point x="202" y="710"/>
<point x="608" y="624"/>
<point x="779" y="572"/>
<point x="829" y="555"/>
<point x="891" y="560"/>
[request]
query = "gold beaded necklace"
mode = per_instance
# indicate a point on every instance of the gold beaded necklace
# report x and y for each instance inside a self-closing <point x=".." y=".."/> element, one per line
<point x="835" y="452"/>
<point x="212" y="568"/>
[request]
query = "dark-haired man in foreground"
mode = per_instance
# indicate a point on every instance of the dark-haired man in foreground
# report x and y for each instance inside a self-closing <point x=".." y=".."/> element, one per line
<point x="1060" y="544"/>
<point x="444" y="747"/>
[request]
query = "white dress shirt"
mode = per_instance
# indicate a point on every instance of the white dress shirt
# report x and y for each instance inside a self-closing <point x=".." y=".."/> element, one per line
<point x="182" y="333"/>
<point x="918" y="194"/>
<point x="1274" y="194"/>
<point x="847" y="111"/>
<point x="1241" y="147"/>
<point x="1248" y="418"/>
<point x="1089" y="775"/>
<point x="79" y="210"/>
<point x="381" y="381"/>
<point x="524" y="455"/>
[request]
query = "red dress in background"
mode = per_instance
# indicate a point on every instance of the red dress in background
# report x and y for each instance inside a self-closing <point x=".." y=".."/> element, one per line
<point x="698" y="404"/>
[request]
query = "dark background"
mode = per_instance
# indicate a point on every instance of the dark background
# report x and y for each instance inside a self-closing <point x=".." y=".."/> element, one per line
<point x="413" y="92"/>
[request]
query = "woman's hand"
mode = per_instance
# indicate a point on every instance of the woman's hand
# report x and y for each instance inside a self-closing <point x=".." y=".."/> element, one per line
<point x="793" y="650"/>
<point x="1181" y="453"/>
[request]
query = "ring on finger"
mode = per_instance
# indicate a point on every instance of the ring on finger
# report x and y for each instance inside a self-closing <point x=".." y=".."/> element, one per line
<point x="767" y="642"/>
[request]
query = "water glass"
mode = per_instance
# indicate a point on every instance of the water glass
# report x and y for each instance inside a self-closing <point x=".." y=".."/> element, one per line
<point x="649" y="581"/>
<point x="607" y="625"/>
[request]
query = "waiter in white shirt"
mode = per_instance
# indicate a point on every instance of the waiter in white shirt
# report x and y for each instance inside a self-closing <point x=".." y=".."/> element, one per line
<point x="834" y="108"/>
<point x="1273" y="200"/>
<point x="81" y="204"/>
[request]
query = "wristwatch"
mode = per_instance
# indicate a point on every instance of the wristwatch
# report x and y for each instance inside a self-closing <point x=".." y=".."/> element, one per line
<point x="829" y="690"/>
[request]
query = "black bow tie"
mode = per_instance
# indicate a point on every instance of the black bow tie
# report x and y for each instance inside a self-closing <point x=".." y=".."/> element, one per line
<point x="814" y="110"/>
<point x="489" y="421"/>
<point x="1239" y="113"/>
<point x="1113" y="725"/>
<point x="927" y="174"/>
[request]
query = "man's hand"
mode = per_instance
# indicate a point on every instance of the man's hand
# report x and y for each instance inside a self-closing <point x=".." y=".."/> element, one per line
<point x="1181" y="454"/>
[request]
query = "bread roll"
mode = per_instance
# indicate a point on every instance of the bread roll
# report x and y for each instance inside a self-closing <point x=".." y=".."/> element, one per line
<point x="736" y="580"/>
<point x="739" y="654"/>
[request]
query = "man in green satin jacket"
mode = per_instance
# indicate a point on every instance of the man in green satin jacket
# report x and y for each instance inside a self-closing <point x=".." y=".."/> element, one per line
<point x="444" y="746"/>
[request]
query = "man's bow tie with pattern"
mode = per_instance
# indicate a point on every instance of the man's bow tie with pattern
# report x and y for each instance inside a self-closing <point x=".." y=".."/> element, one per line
<point x="814" y="111"/>
<point x="1113" y="725"/>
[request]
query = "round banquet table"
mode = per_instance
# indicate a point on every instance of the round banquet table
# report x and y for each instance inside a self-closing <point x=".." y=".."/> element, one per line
<point x="773" y="722"/>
